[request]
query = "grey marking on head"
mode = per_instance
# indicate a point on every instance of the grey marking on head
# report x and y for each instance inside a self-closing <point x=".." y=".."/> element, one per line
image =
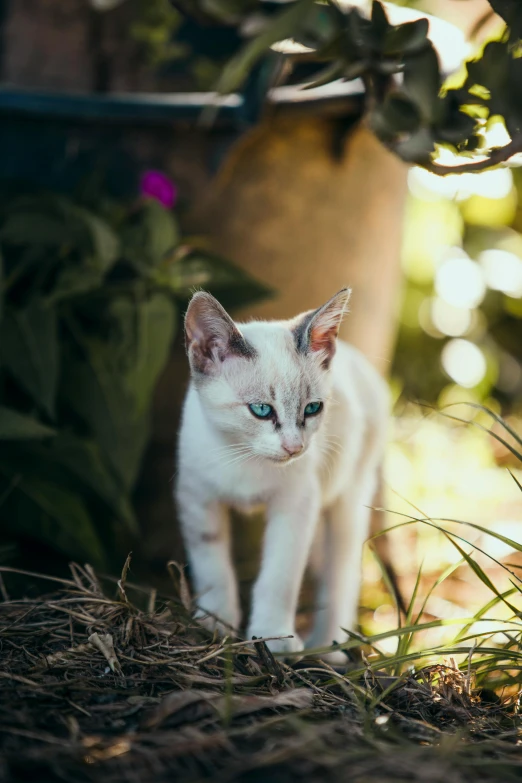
<point x="272" y="393"/>
<point x="300" y="332"/>
<point x="239" y="346"/>
<point x="236" y="346"/>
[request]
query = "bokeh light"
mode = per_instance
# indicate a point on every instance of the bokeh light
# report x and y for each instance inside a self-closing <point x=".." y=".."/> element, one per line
<point x="502" y="271"/>
<point x="448" y="319"/>
<point x="496" y="133"/>
<point x="495" y="184"/>
<point x="459" y="281"/>
<point x="464" y="362"/>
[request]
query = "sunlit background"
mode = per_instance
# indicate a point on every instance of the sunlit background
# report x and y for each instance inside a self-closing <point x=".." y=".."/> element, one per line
<point x="459" y="346"/>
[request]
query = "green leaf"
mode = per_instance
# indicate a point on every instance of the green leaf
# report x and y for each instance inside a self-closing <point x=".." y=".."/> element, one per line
<point x="478" y="425"/>
<point x="326" y="75"/>
<point x="490" y="70"/>
<point x="322" y="29"/>
<point x="457" y="126"/>
<point x="78" y="465"/>
<point x="417" y="148"/>
<point x="360" y="36"/>
<point x="16" y="426"/>
<point x="51" y="220"/>
<point x="74" y="280"/>
<point x="484" y="610"/>
<point x="379" y="21"/>
<point x="499" y="73"/>
<point x="155" y="331"/>
<point x="99" y="248"/>
<point x="284" y="25"/>
<point x="82" y="458"/>
<point x="112" y="385"/>
<point x="484" y="578"/>
<point x="398" y="114"/>
<point x="51" y="514"/>
<point x="202" y="269"/>
<point x="29" y="351"/>
<point x="94" y="390"/>
<point x="104" y="244"/>
<point x="406" y="38"/>
<point x="422" y="82"/>
<point x="149" y="236"/>
<point x="31" y="226"/>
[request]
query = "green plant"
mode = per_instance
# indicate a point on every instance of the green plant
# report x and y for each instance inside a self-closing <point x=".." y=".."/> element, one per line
<point x="153" y="27"/>
<point x="89" y="302"/>
<point x="487" y="642"/>
<point x="412" y="115"/>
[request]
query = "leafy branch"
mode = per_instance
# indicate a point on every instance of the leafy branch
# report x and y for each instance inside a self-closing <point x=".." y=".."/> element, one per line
<point x="406" y="103"/>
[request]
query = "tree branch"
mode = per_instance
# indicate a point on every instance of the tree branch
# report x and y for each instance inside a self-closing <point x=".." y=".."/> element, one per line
<point x="496" y="156"/>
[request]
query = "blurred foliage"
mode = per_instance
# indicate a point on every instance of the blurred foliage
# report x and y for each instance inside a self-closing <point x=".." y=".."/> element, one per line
<point x="407" y="104"/>
<point x="154" y="25"/>
<point x="229" y="44"/>
<point x="462" y="263"/>
<point x="90" y="293"/>
<point x="449" y="495"/>
<point x="413" y="114"/>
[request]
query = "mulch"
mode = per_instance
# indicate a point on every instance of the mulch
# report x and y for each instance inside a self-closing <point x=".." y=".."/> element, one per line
<point x="108" y="682"/>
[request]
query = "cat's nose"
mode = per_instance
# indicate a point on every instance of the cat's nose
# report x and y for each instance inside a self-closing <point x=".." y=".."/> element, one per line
<point x="292" y="448"/>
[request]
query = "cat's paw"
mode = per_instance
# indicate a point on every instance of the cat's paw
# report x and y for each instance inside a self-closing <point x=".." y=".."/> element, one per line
<point x="334" y="658"/>
<point x="214" y="614"/>
<point x="291" y="644"/>
<point x="319" y="639"/>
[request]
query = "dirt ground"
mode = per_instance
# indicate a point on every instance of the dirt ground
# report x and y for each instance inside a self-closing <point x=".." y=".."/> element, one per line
<point x="127" y="689"/>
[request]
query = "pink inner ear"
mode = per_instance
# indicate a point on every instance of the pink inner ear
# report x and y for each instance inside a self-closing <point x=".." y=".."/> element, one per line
<point x="325" y="328"/>
<point x="325" y="324"/>
<point x="322" y="337"/>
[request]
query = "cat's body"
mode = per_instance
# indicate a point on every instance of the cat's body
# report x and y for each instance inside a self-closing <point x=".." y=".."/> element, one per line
<point x="314" y="473"/>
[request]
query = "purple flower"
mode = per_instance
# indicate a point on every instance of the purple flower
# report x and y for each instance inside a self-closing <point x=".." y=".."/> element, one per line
<point x="155" y="184"/>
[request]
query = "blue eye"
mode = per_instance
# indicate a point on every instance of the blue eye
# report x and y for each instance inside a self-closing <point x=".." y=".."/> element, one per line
<point x="312" y="408"/>
<point x="261" y="410"/>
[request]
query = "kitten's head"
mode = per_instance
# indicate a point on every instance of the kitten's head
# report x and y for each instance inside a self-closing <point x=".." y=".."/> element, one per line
<point x="265" y="385"/>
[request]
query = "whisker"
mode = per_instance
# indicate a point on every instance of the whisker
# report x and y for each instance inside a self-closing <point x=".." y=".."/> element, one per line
<point x="327" y="462"/>
<point x="334" y="448"/>
<point x="227" y="447"/>
<point x="218" y="458"/>
<point x="237" y="459"/>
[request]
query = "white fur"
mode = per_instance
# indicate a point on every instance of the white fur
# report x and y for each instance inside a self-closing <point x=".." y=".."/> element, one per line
<point x="227" y="458"/>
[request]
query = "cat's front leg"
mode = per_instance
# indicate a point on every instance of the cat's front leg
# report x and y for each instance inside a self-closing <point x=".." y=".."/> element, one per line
<point x="292" y="518"/>
<point x="347" y="528"/>
<point x="206" y="532"/>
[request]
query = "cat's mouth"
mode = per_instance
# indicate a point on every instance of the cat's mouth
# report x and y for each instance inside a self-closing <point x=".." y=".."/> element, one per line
<point x="285" y="460"/>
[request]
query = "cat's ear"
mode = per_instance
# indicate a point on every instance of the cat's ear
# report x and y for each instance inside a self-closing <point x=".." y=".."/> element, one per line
<point x="317" y="330"/>
<point x="211" y="335"/>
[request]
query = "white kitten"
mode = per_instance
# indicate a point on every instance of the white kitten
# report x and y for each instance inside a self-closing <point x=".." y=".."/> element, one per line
<point x="279" y="414"/>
